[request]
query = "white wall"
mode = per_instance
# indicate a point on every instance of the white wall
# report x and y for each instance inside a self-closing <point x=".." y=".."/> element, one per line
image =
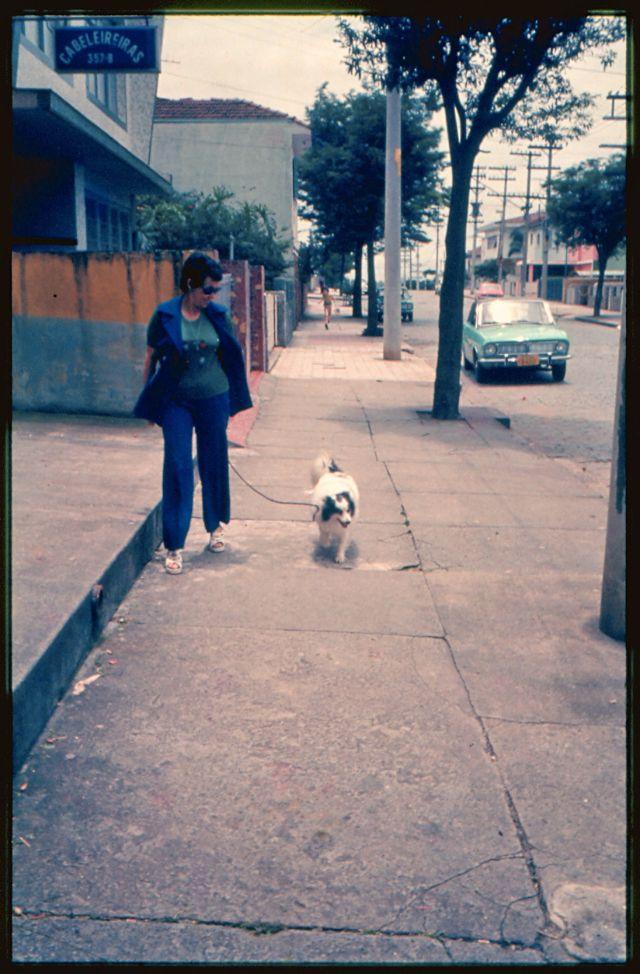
<point x="252" y="158"/>
<point x="35" y="69"/>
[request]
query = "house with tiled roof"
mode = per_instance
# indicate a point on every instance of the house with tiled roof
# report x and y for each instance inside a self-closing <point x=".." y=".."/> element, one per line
<point x="249" y="149"/>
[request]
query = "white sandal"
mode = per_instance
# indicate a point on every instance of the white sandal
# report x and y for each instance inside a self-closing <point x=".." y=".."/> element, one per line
<point x="173" y="562"/>
<point x="216" y="540"/>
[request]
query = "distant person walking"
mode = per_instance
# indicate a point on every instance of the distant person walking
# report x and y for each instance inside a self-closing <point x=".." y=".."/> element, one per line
<point x="327" y="303"/>
<point x="194" y="375"/>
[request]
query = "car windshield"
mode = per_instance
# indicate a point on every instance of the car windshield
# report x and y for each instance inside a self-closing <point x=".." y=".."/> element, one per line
<point x="503" y="312"/>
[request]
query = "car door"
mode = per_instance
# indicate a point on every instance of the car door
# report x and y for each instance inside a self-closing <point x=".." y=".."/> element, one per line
<point x="470" y="336"/>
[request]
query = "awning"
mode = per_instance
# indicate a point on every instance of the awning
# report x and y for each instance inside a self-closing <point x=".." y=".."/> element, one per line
<point x="46" y="126"/>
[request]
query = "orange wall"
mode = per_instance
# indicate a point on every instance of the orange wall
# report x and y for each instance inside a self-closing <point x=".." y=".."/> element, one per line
<point x="96" y="287"/>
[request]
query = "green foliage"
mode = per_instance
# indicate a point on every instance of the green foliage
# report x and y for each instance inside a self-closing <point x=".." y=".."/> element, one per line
<point x="317" y="257"/>
<point x="491" y="73"/>
<point x="342" y="174"/>
<point x="588" y="205"/>
<point x="487" y="270"/>
<point x="195" y="221"/>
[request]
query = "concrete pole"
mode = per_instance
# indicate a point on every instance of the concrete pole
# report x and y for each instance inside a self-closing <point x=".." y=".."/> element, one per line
<point x="613" y="601"/>
<point x="544" y="281"/>
<point x="392" y="340"/>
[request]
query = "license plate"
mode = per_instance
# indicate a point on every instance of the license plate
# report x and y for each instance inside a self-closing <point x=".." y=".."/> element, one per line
<point x="528" y="359"/>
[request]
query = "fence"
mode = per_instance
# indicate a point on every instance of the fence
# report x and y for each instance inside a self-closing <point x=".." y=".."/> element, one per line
<point x="79" y="325"/>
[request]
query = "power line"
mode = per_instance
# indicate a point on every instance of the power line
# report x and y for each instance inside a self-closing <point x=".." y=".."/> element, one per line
<point x="248" y="91"/>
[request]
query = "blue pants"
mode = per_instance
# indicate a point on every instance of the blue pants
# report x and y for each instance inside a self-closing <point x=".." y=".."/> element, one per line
<point x="209" y="417"/>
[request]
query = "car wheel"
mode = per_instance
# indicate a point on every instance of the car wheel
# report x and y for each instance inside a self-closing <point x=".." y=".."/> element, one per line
<point x="480" y="371"/>
<point x="559" y="371"/>
<point x="465" y="362"/>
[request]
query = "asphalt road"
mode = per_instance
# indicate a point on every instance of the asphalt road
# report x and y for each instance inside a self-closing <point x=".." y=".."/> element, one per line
<point x="571" y="419"/>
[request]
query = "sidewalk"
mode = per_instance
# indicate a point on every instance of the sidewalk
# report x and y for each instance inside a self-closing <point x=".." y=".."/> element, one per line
<point x="416" y="757"/>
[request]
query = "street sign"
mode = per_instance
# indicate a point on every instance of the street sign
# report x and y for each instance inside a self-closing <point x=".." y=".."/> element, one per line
<point x="122" y="49"/>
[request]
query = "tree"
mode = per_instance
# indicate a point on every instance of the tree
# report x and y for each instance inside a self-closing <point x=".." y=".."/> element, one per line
<point x="342" y="176"/>
<point x="588" y="206"/>
<point x="316" y="257"/>
<point x="487" y="270"/>
<point x="195" y="221"/>
<point x="494" y="73"/>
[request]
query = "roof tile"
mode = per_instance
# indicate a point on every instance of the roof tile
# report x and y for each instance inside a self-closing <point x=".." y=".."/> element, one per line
<point x="219" y="109"/>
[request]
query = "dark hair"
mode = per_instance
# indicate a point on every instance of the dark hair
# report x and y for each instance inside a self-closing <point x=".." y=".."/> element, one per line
<point x="196" y="268"/>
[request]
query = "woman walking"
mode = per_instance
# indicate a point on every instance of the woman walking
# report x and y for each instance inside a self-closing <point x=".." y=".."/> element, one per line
<point x="194" y="375"/>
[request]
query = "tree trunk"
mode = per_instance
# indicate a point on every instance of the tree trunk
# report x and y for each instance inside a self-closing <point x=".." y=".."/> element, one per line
<point x="597" y="301"/>
<point x="357" y="283"/>
<point x="446" y="394"/>
<point x="372" y="312"/>
<point x="341" y="286"/>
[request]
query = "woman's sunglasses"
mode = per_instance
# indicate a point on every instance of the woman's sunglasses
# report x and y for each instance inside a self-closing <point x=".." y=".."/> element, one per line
<point x="211" y="289"/>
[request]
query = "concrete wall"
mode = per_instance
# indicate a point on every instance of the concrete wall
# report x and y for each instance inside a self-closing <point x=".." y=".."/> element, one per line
<point x="258" y="324"/>
<point x="79" y="326"/>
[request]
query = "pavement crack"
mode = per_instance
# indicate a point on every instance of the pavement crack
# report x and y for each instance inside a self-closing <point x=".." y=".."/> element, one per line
<point x="258" y="928"/>
<point x="540" y="723"/>
<point x="425" y="890"/>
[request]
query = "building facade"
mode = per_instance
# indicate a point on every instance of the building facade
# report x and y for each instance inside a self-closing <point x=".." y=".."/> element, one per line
<point x="81" y="143"/>
<point x="200" y="144"/>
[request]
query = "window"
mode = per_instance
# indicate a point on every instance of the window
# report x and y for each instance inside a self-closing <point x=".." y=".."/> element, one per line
<point x="40" y="31"/>
<point x="106" y="87"/>
<point x="108" y="226"/>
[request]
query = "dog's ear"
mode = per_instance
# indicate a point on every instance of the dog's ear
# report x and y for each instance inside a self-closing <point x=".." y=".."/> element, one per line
<point x="347" y="496"/>
<point x="328" y="508"/>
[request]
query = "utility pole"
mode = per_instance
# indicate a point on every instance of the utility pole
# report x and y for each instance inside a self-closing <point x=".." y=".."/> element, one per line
<point x="544" y="282"/>
<point x="506" y="177"/>
<point x="475" y="216"/>
<point x="527" y="206"/>
<point x="392" y="340"/>
<point x="613" y="98"/>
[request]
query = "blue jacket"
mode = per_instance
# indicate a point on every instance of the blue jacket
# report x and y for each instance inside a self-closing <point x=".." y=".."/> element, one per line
<point x="163" y="382"/>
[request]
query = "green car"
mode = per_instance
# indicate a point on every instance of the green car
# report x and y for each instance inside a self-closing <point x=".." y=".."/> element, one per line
<point x="406" y="306"/>
<point x="513" y="333"/>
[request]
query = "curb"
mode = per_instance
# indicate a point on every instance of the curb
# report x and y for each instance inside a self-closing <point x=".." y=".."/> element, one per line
<point x="590" y="320"/>
<point x="36" y="696"/>
<point x="241" y="424"/>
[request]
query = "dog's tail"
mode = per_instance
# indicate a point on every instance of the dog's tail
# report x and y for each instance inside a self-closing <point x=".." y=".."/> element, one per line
<point x="323" y="463"/>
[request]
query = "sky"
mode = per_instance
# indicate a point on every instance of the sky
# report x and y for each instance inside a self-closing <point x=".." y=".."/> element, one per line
<point x="280" y="61"/>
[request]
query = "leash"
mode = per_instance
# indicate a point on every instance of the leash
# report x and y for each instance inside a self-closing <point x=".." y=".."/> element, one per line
<point x="266" y="497"/>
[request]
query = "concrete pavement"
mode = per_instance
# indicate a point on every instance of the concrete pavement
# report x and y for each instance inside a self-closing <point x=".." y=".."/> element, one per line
<point x="416" y="757"/>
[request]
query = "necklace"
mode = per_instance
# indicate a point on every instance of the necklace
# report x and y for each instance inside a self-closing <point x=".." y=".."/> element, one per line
<point x="198" y="341"/>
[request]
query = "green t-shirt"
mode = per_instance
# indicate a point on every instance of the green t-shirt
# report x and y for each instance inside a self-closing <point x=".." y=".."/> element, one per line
<point x="204" y="375"/>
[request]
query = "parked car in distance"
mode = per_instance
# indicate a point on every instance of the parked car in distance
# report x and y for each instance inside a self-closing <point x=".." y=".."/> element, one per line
<point x="406" y="305"/>
<point x="489" y="289"/>
<point x="513" y="333"/>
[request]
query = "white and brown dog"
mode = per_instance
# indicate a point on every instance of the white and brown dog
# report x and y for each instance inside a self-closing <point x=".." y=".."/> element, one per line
<point x="336" y="499"/>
